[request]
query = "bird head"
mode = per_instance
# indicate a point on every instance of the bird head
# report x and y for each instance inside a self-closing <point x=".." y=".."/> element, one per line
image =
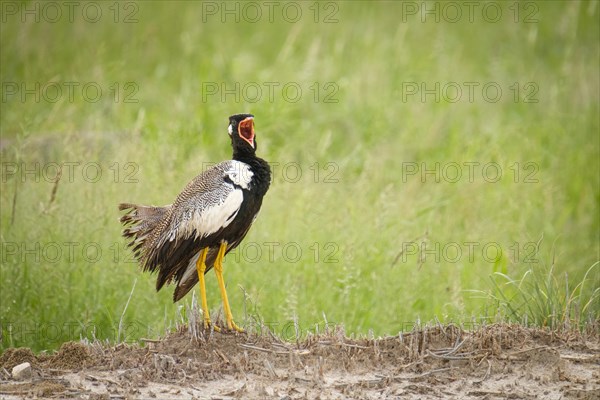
<point x="241" y="131"/>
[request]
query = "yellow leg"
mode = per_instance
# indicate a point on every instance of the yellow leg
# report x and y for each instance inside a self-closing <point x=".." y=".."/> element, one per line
<point x="201" y="268"/>
<point x="219" y="273"/>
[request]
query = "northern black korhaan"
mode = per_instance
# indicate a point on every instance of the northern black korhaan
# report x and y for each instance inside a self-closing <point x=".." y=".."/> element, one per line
<point x="209" y="218"/>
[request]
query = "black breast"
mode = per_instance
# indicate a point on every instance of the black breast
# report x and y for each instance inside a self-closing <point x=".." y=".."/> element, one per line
<point x="235" y="232"/>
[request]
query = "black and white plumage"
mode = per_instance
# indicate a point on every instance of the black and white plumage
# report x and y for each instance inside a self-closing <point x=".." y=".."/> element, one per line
<point x="213" y="212"/>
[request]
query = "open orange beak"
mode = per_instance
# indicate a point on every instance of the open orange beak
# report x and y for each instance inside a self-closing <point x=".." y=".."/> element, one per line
<point x="246" y="130"/>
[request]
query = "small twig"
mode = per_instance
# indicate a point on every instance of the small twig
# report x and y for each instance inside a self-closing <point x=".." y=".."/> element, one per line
<point x="303" y="380"/>
<point x="481" y="393"/>
<point x="371" y="382"/>
<point x="54" y="188"/>
<point x="14" y="204"/>
<point x="579" y="359"/>
<point x="235" y="392"/>
<point x="100" y="379"/>
<point x="56" y="370"/>
<point x="273" y="336"/>
<point x="356" y="346"/>
<point x="325" y="342"/>
<point x="271" y="369"/>
<point x="435" y="371"/>
<point x="220" y="354"/>
<point x="395" y="261"/>
<point x="280" y="345"/>
<point x="528" y="350"/>
<point x="447" y="357"/>
<point x="248" y="346"/>
<point x="487" y="373"/>
<point x="404" y="378"/>
<point x="150" y="340"/>
<point x="456" y="348"/>
<point x="70" y="392"/>
<point x="124" y="310"/>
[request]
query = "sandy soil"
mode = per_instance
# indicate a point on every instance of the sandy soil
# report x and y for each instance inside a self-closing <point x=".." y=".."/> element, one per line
<point x="494" y="362"/>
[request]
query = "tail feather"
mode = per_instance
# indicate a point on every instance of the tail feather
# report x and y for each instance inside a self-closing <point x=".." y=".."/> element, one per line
<point x="140" y="225"/>
<point x="139" y="222"/>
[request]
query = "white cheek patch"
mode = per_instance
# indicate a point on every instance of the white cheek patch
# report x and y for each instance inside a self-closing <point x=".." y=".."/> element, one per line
<point x="230" y="130"/>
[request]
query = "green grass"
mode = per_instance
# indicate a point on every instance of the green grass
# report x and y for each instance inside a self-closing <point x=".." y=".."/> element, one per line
<point x="540" y="298"/>
<point x="354" y="218"/>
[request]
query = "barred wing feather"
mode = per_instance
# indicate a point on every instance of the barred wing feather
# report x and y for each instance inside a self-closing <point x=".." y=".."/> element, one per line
<point x="206" y="206"/>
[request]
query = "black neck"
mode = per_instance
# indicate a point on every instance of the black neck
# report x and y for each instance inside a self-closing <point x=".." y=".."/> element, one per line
<point x="243" y="154"/>
<point x="259" y="166"/>
<point x="252" y="160"/>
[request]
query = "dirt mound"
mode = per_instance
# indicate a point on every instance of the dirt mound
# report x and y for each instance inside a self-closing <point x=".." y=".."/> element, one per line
<point x="71" y="355"/>
<point x="12" y="357"/>
<point x="438" y="362"/>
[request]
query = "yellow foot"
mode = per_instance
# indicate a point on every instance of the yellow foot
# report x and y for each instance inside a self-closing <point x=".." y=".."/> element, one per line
<point x="233" y="327"/>
<point x="219" y="272"/>
<point x="208" y="324"/>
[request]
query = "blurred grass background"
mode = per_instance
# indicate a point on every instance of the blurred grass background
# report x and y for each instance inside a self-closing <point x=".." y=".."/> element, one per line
<point x="65" y="272"/>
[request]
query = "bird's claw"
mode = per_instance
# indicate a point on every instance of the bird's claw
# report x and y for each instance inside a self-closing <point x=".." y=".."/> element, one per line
<point x="233" y="327"/>
<point x="208" y="324"/>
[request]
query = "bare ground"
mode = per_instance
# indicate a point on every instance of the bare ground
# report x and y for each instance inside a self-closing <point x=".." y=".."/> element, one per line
<point x="493" y="362"/>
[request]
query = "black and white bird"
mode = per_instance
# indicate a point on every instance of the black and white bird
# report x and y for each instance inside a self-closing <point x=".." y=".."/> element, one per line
<point x="209" y="218"/>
